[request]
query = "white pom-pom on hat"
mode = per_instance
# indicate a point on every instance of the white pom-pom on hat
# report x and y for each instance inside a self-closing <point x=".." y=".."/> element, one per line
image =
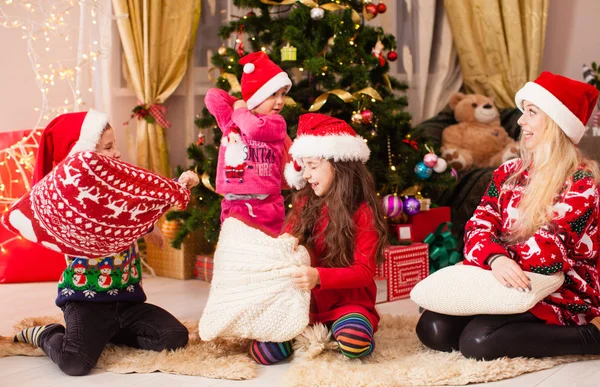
<point x="293" y="173"/>
<point x="249" y="68"/>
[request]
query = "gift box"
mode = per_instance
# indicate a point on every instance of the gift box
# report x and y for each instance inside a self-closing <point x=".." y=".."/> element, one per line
<point x="426" y="222"/>
<point x="204" y="267"/>
<point x="403" y="268"/>
<point x="382" y="290"/>
<point x="442" y="248"/>
<point x="404" y="232"/>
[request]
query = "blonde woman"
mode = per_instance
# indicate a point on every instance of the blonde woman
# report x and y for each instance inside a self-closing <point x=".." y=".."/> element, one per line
<point x="539" y="214"/>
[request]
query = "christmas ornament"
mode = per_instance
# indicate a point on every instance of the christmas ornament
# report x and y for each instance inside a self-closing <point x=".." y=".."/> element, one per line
<point x="454" y="174"/>
<point x="200" y="140"/>
<point x="422" y="171"/>
<point x="372" y="9"/>
<point x="377" y="52"/>
<point x="288" y="53"/>
<point x="222" y="50"/>
<point x="392" y="56"/>
<point x="392" y="205"/>
<point x="317" y="13"/>
<point x="250" y="14"/>
<point x="357" y="118"/>
<point x="430" y="159"/>
<point x="170" y="228"/>
<point x="411" y="206"/>
<point x="240" y="49"/>
<point x="331" y="41"/>
<point x="381" y="8"/>
<point x="367" y="116"/>
<point x="440" y="166"/>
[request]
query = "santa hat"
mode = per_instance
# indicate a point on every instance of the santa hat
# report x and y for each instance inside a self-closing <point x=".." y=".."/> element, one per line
<point x="567" y="102"/>
<point x="79" y="264"/>
<point x="261" y="78"/>
<point x="65" y="135"/>
<point x="325" y="137"/>
<point x="105" y="265"/>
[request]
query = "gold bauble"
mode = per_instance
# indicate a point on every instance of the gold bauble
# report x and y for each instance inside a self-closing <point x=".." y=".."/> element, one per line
<point x="222" y="50"/>
<point x="357" y="118"/>
<point x="169" y="228"/>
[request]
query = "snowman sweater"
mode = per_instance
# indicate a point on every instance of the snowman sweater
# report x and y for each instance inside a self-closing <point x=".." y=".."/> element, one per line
<point x="110" y="279"/>
<point x="250" y="162"/>
<point x="568" y="243"/>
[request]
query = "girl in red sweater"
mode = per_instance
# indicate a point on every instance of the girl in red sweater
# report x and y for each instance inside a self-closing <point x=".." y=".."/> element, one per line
<point x="338" y="217"/>
<point x="539" y="214"/>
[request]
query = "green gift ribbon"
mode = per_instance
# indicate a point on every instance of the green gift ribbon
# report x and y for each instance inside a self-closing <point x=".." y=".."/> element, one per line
<point x="441" y="248"/>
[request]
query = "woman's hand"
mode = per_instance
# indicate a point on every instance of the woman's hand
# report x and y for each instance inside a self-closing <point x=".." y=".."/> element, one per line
<point x="155" y="236"/>
<point x="240" y="103"/>
<point x="510" y="274"/>
<point x="306" y="278"/>
<point x="189" y="179"/>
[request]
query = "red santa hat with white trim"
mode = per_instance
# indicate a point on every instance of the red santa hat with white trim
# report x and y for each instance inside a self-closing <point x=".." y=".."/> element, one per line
<point x="322" y="136"/>
<point x="65" y="135"/>
<point x="261" y="78"/>
<point x="567" y="102"/>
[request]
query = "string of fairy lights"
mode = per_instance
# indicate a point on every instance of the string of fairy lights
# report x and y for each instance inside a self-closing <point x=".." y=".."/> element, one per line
<point x="46" y="27"/>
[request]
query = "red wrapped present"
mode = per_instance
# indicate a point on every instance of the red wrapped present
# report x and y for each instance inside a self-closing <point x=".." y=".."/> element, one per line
<point x="426" y="222"/>
<point x="403" y="268"/>
<point x="382" y="290"/>
<point x="204" y="267"/>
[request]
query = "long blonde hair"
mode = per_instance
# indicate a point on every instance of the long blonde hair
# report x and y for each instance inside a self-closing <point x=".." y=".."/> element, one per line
<point x="551" y="166"/>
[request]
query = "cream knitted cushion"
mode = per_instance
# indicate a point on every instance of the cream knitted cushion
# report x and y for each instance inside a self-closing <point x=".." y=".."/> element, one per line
<point x="252" y="294"/>
<point x="463" y="290"/>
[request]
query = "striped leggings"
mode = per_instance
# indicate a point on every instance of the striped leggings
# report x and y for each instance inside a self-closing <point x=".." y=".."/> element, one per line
<point x="353" y="333"/>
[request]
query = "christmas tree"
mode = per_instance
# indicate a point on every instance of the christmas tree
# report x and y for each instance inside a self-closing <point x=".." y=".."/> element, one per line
<point x="339" y="66"/>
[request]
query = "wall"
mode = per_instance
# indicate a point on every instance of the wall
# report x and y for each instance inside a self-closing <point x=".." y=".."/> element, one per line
<point x="20" y="93"/>
<point x="571" y="37"/>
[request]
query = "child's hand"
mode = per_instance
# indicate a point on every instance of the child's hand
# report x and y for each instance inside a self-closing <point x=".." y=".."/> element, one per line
<point x="156" y="237"/>
<point x="306" y="278"/>
<point x="287" y="235"/>
<point x="240" y="103"/>
<point x="189" y="178"/>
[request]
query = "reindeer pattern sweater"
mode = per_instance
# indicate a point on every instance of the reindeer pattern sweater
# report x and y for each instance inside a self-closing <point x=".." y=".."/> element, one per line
<point x="252" y="147"/>
<point x="568" y="243"/>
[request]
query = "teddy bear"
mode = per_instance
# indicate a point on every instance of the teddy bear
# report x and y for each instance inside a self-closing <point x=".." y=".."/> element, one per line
<point x="478" y="139"/>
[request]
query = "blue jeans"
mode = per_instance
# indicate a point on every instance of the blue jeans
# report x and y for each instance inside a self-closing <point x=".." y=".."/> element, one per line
<point x="90" y="326"/>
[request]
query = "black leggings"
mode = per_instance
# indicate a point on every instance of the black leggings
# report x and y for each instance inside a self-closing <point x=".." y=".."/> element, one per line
<point x="488" y="337"/>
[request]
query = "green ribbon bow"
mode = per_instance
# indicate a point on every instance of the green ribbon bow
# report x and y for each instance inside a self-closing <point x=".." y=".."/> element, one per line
<point x="441" y="248"/>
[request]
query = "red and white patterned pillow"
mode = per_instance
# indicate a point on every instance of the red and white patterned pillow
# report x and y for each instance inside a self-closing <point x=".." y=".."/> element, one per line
<point x="92" y="205"/>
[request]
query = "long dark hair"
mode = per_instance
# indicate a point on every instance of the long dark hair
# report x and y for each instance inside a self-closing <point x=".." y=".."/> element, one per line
<point x="352" y="186"/>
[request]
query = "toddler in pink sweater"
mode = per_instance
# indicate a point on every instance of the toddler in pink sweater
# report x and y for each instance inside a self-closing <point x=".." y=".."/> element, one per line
<point x="249" y="170"/>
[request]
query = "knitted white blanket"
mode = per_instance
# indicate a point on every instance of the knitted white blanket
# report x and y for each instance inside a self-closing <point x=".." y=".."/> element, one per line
<point x="252" y="294"/>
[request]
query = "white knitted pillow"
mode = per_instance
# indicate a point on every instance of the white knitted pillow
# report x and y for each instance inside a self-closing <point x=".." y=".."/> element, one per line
<point x="463" y="290"/>
<point x="252" y="294"/>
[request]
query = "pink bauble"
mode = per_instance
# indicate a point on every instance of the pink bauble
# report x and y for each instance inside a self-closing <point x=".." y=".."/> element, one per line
<point x="430" y="159"/>
<point x="367" y="116"/>
<point x="392" y="205"/>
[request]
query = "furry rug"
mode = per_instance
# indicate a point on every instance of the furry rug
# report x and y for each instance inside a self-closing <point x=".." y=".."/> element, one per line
<point x="399" y="359"/>
<point x="218" y="359"/>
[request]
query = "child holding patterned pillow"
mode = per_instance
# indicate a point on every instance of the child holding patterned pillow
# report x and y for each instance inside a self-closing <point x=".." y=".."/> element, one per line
<point x="339" y="219"/>
<point x="249" y="172"/>
<point x="102" y="299"/>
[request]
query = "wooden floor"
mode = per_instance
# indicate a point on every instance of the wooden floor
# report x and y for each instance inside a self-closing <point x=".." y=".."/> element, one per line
<point x="185" y="299"/>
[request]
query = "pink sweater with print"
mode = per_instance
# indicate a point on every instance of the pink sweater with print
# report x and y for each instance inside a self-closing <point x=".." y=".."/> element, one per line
<point x="250" y="161"/>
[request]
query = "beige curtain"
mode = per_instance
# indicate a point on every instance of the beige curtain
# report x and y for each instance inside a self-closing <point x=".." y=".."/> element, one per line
<point x="157" y="37"/>
<point x="500" y="44"/>
<point x="429" y="57"/>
